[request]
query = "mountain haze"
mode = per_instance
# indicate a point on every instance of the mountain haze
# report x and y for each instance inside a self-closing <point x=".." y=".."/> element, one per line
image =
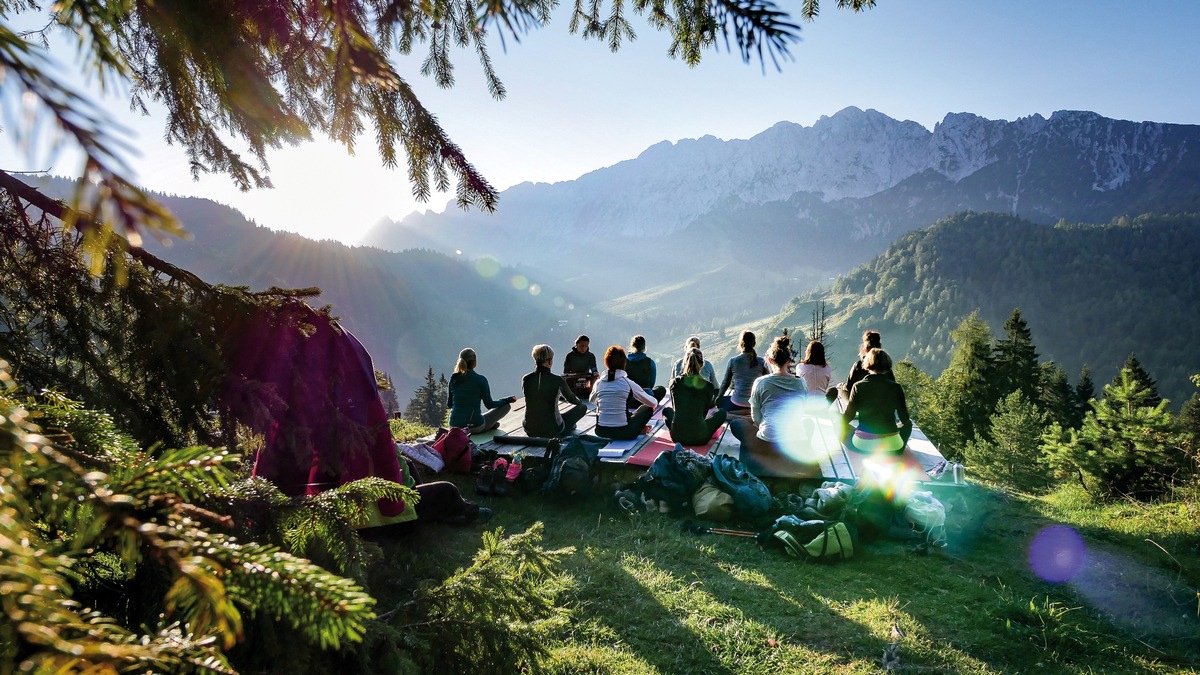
<point x="806" y="203"/>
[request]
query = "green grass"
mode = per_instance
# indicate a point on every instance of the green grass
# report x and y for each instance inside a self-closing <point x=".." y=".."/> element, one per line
<point x="644" y="597"/>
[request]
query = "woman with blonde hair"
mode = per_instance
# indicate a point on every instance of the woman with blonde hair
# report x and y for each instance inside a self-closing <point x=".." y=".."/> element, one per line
<point x="542" y="390"/>
<point x="762" y="434"/>
<point x="707" y="372"/>
<point x="468" y="390"/>
<point x="877" y="401"/>
<point x="693" y="396"/>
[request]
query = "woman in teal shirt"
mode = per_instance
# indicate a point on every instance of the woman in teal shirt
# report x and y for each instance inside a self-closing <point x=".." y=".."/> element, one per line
<point x="468" y="390"/>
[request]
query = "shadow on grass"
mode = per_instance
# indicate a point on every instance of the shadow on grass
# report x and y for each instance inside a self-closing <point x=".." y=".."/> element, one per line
<point x="658" y="599"/>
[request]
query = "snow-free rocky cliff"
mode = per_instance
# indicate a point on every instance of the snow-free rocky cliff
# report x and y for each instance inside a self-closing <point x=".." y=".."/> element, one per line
<point x="847" y="185"/>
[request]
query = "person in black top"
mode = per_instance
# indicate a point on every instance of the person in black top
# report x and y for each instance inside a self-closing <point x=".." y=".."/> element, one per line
<point x="579" y="367"/>
<point x="542" y="390"/>
<point x="640" y="368"/>
<point x="693" y="396"/>
<point x="877" y="401"/>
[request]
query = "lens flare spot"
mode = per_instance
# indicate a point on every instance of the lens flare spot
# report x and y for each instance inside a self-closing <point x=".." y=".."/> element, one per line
<point x="519" y="282"/>
<point x="571" y="306"/>
<point x="1057" y="553"/>
<point x="487" y="267"/>
<point x="559" y="302"/>
<point x="535" y="289"/>
<point x="810" y="428"/>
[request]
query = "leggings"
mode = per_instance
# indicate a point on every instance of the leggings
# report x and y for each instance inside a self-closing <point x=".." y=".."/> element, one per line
<point x="491" y="419"/>
<point x="632" y="429"/>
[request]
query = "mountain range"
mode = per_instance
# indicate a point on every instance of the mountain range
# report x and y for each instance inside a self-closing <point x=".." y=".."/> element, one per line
<point x="801" y="204"/>
<point x="706" y="236"/>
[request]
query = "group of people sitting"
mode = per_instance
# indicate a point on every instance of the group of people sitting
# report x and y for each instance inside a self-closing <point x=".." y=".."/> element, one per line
<point x="752" y="396"/>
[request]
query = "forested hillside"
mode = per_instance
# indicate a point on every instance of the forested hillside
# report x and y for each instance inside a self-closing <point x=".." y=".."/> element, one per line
<point x="411" y="309"/>
<point x="1091" y="294"/>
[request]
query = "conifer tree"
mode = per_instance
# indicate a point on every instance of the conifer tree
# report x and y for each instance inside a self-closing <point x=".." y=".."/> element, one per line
<point x="1055" y="395"/>
<point x="238" y="79"/>
<point x="1015" y="360"/>
<point x="1013" y="455"/>
<point x="428" y="404"/>
<point x="1189" y="427"/>
<point x="1085" y="391"/>
<point x="1139" y="373"/>
<point x="964" y="388"/>
<point x="1126" y="446"/>
<point x="387" y="393"/>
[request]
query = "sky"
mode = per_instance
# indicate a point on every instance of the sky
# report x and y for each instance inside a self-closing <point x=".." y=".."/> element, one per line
<point x="573" y="106"/>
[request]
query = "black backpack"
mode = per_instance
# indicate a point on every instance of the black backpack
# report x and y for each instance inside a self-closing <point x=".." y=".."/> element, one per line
<point x="571" y="467"/>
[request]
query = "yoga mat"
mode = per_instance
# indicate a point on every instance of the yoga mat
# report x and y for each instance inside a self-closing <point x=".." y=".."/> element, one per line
<point x="662" y="442"/>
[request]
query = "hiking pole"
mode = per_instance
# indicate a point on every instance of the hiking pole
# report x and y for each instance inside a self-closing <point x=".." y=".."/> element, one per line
<point x="693" y="528"/>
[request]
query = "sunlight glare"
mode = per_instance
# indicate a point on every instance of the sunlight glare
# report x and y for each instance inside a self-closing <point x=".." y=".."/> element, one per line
<point x="487" y="267"/>
<point x="810" y="429"/>
<point x="1057" y="553"/>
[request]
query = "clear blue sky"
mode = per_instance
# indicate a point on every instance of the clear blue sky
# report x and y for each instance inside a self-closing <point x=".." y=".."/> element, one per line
<point x="573" y="106"/>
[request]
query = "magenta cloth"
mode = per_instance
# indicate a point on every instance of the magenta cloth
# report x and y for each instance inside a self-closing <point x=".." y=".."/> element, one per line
<point x="308" y="386"/>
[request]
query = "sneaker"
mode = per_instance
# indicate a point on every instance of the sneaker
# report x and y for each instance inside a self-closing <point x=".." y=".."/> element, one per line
<point x="483" y="515"/>
<point x="486" y="480"/>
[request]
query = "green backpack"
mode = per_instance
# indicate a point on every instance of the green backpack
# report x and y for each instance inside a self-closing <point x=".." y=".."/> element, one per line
<point x="750" y="495"/>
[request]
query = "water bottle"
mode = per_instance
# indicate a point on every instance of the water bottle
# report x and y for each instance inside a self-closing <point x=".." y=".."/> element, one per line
<point x="514" y="467"/>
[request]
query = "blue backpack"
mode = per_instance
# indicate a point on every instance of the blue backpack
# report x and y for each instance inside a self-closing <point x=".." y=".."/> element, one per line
<point x="750" y="495"/>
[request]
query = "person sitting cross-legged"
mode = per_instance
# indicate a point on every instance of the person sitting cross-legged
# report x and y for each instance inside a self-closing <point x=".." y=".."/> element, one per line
<point x="693" y="396"/>
<point x="542" y="390"/>
<point x="877" y="401"/>
<point x="468" y="391"/>
<point x="610" y="393"/>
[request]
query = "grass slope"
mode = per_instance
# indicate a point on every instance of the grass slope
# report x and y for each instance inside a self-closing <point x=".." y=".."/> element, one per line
<point x="648" y="598"/>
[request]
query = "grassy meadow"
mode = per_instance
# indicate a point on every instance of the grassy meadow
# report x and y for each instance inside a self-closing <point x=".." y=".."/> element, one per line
<point x="643" y="596"/>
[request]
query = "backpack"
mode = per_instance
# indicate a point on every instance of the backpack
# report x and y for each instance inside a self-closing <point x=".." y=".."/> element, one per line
<point x="820" y="540"/>
<point x="571" y="467"/>
<point x="750" y="495"/>
<point x="456" y="449"/>
<point x="674" y="476"/>
<point x="712" y="503"/>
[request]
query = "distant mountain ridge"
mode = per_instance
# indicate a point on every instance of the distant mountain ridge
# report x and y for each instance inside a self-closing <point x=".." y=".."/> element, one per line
<point x="1092" y="294"/>
<point x="412" y="309"/>
<point x="841" y="189"/>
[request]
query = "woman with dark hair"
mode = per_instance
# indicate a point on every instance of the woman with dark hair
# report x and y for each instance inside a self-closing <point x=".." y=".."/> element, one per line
<point x="610" y="393"/>
<point x="762" y="433"/>
<point x="877" y="401"/>
<point x="741" y="372"/>
<point x="640" y="368"/>
<point x="870" y="340"/>
<point x="468" y="389"/>
<point x="693" y="396"/>
<point x="813" y="369"/>
<point x="579" y="367"/>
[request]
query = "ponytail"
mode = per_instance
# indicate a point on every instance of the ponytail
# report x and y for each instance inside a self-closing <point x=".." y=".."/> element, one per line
<point x="466" y="361"/>
<point x="614" y="360"/>
<point x="747" y="345"/>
